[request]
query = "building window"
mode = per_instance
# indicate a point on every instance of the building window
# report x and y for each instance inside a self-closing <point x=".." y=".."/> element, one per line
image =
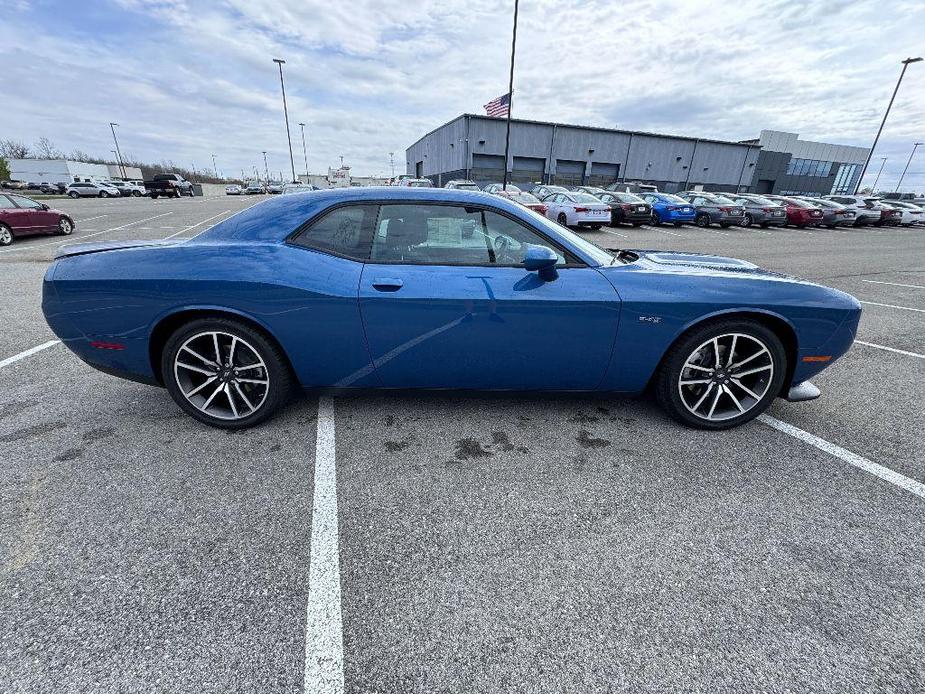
<point x="844" y="178"/>
<point x="809" y="167"/>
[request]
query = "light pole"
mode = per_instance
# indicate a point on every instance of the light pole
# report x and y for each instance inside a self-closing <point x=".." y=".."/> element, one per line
<point x="304" y="151"/>
<point x="873" y="188"/>
<point x="915" y="146"/>
<point x="286" y="114"/>
<point x="266" y="168"/>
<point x="112" y="126"/>
<point x="906" y="63"/>
<point x="214" y="167"/>
<point x="510" y="99"/>
<point x="392" y="163"/>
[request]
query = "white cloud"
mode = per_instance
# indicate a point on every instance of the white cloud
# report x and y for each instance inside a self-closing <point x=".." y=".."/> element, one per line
<point x="188" y="78"/>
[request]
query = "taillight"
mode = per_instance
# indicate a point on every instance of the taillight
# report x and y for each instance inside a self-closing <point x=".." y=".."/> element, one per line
<point x="727" y="210"/>
<point x="581" y="209"/>
<point x="673" y="209"/>
<point x="766" y="209"/>
<point x="542" y="209"/>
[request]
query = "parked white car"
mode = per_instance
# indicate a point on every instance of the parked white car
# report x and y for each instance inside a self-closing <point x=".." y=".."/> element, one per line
<point x="233" y="189"/>
<point x="95" y="189"/>
<point x="254" y="188"/>
<point x="415" y="183"/>
<point x="866" y="211"/>
<point x="912" y="214"/>
<point x="275" y="187"/>
<point x="577" y="210"/>
<point x="460" y="184"/>
<point x="128" y="188"/>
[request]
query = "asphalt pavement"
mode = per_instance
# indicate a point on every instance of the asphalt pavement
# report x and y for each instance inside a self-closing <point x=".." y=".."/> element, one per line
<point x="486" y="543"/>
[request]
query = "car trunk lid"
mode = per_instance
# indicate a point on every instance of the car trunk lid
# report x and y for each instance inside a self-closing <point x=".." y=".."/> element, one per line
<point x="73" y="249"/>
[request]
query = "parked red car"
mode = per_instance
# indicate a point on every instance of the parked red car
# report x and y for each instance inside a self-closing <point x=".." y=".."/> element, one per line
<point x="21" y="216"/>
<point x="525" y="199"/>
<point x="800" y="213"/>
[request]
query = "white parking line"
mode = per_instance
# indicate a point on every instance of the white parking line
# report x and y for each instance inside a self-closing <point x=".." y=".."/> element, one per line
<point x="28" y="353"/>
<point x="884" y="473"/>
<point x="904" y="308"/>
<point x="71" y="239"/>
<point x="890" y="349"/>
<point x="895" y="284"/>
<point x="665" y="231"/>
<point x="615" y="233"/>
<point x="89" y="219"/>
<point x="324" y="639"/>
<point x="193" y="226"/>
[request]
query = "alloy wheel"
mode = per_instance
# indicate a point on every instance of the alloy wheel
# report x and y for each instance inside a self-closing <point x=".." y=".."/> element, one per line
<point x="221" y="375"/>
<point x="747" y="220"/>
<point x="726" y="376"/>
<point x="65" y="227"/>
<point x="6" y="236"/>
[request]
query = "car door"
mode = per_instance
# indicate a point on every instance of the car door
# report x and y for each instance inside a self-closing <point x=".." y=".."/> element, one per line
<point x="13" y="216"/>
<point x="39" y="219"/>
<point x="21" y="217"/>
<point x="447" y="303"/>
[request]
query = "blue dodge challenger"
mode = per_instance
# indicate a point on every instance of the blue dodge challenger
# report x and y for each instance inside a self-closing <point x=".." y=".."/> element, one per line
<point x="430" y="288"/>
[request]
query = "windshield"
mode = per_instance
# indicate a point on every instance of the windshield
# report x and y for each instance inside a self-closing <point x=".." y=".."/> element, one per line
<point x="525" y="198"/>
<point x="466" y="186"/>
<point x="721" y="200"/>
<point x="628" y="197"/>
<point x="584" y="197"/>
<point x="800" y="203"/>
<point x="420" y="184"/>
<point x="667" y="197"/>
<point x="763" y="201"/>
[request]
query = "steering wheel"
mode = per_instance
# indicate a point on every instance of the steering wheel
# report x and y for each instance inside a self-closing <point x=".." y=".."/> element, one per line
<point x="504" y="252"/>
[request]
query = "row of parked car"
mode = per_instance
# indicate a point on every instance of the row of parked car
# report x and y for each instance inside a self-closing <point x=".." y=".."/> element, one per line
<point x="622" y="203"/>
<point x="270" y="187"/>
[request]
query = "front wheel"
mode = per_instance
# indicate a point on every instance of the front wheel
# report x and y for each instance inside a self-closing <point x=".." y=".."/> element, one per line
<point x="136" y="193"/>
<point x="702" y="220"/>
<point x="73" y="195"/>
<point x="6" y="235"/>
<point x="747" y="221"/>
<point x="656" y="220"/>
<point x="104" y="194"/>
<point x="225" y="373"/>
<point x="65" y="226"/>
<point x="722" y="374"/>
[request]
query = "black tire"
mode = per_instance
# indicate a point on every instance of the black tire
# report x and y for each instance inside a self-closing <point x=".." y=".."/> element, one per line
<point x="73" y="195"/>
<point x="747" y="221"/>
<point x="702" y="220"/>
<point x="104" y="194"/>
<point x="667" y="389"/>
<point x="656" y="220"/>
<point x="562" y="219"/>
<point x="596" y="227"/>
<point x="65" y="226"/>
<point x="637" y="224"/>
<point x="277" y="371"/>
<point x="6" y="235"/>
<point x="136" y="193"/>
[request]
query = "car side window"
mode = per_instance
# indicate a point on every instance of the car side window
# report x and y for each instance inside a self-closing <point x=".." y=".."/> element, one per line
<point x="510" y="239"/>
<point x="700" y="201"/>
<point x="430" y="235"/>
<point x="26" y="203"/>
<point x="6" y="203"/>
<point x="343" y="231"/>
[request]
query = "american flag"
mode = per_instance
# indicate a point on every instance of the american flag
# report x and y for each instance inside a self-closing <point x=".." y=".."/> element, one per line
<point x="500" y="107"/>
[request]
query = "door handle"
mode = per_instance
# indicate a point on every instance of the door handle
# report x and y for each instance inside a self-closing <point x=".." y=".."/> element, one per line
<point x="387" y="284"/>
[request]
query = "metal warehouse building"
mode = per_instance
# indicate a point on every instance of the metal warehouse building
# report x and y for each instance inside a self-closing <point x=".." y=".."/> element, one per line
<point x="472" y="147"/>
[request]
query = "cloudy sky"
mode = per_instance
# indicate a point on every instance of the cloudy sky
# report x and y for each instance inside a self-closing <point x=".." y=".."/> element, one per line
<point x="188" y="78"/>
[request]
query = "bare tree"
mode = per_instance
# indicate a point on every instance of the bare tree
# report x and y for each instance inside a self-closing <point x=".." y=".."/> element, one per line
<point x="11" y="149"/>
<point x="45" y="149"/>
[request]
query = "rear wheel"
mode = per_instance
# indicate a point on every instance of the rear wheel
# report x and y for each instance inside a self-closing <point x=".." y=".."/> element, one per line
<point x="65" y="226"/>
<point x="596" y="227"/>
<point x="136" y="193"/>
<point x="722" y="374"/>
<point x="656" y="220"/>
<point x="562" y="219"/>
<point x="702" y="220"/>
<point x="224" y="373"/>
<point x="6" y="235"/>
<point x="747" y="221"/>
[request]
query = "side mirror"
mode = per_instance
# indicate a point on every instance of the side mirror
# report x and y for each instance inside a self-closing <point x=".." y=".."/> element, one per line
<point x="543" y="260"/>
<point x="45" y="206"/>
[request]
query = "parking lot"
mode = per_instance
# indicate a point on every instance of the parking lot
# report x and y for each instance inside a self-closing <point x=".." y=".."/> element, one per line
<point x="485" y="543"/>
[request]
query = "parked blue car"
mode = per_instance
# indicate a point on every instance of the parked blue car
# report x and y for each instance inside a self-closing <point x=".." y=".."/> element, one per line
<point x="432" y="288"/>
<point x="670" y="209"/>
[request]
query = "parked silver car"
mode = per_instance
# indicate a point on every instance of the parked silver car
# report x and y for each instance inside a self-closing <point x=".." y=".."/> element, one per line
<point x="460" y="184"/>
<point x="92" y="189"/>
<point x="714" y="209"/>
<point x="865" y="210"/>
<point x="759" y="210"/>
<point x="833" y="213"/>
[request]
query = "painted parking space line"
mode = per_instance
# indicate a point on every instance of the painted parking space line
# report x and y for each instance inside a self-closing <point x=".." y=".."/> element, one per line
<point x="890" y="349"/>
<point x="615" y="233"/>
<point x="884" y="473"/>
<point x="28" y="353"/>
<point x="896" y="284"/>
<point x="193" y="226"/>
<point x="71" y="239"/>
<point x="713" y="231"/>
<point x="665" y="231"/>
<point x="903" y="308"/>
<point x="324" y="639"/>
<point x="90" y="219"/>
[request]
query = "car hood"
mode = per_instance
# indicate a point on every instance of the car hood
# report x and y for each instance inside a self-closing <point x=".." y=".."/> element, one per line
<point x="701" y="264"/>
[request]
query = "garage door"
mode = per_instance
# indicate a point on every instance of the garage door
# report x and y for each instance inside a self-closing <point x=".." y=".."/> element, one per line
<point x="487" y="168"/>
<point x="603" y="173"/>
<point x="569" y="173"/>
<point x="528" y="170"/>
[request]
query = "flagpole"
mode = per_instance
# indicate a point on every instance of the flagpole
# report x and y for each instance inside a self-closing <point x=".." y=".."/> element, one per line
<point x="510" y="100"/>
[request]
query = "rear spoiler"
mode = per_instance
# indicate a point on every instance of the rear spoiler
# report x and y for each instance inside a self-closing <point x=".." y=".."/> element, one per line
<point x="73" y="249"/>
